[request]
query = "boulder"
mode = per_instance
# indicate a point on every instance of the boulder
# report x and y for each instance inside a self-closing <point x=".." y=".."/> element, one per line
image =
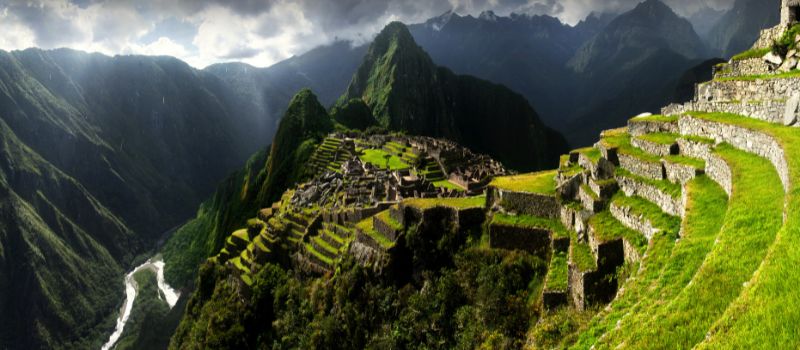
<point x="772" y="58"/>
<point x="789" y="64"/>
<point x="791" y="53"/>
<point x="790" y="114"/>
<point x="643" y="115"/>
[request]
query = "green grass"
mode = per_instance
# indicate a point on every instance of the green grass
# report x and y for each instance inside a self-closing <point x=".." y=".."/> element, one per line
<point x="447" y="185"/>
<point x="387" y="218"/>
<point x="699" y="139"/>
<point x="705" y="215"/>
<point x="741" y="246"/>
<point x="642" y="207"/>
<point x="752" y="53"/>
<point x="310" y="249"/>
<point x="660" y="138"/>
<point x="541" y="182"/>
<point x="553" y="225"/>
<point x="791" y="74"/>
<point x="368" y="228"/>
<point x="692" y="162"/>
<point x="589" y="191"/>
<point x="592" y="153"/>
<point x="767" y="313"/>
<point x="657" y="118"/>
<point x="607" y="228"/>
<point x="378" y="158"/>
<point x="558" y="273"/>
<point x="581" y="255"/>
<point x="455" y="203"/>
<point x="667" y="187"/>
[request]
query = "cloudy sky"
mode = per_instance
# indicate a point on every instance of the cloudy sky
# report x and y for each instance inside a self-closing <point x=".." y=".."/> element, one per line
<point x="258" y="32"/>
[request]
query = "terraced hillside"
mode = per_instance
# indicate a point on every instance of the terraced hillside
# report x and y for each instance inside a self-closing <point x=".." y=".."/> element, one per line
<point x="677" y="230"/>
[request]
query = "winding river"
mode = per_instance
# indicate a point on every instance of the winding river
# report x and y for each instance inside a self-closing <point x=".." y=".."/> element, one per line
<point x="131" y="289"/>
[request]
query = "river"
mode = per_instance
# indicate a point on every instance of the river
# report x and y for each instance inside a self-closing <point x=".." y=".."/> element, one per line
<point x="131" y="290"/>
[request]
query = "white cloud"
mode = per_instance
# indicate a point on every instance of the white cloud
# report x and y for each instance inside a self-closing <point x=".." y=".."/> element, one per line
<point x="253" y="31"/>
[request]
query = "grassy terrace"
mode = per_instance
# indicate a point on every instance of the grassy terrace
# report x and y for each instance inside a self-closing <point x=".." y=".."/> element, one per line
<point x="660" y="138"/>
<point x="752" y="53"/>
<point x="455" y="203"/>
<point x="739" y="248"/>
<point x="378" y="158"/>
<point x="705" y="215"/>
<point x="368" y="228"/>
<point x="786" y="75"/>
<point x="447" y="185"/>
<point x="767" y="313"/>
<point x="667" y="187"/>
<point x="639" y="206"/>
<point x="607" y="228"/>
<point x="541" y="183"/>
<point x="310" y="249"/>
<point x="558" y="273"/>
<point x="657" y="118"/>
<point x="386" y="218"/>
<point x="592" y="153"/>
<point x="552" y="225"/>
<point x="581" y="255"/>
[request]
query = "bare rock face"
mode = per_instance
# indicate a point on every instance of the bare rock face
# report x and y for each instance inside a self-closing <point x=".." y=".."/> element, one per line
<point x="790" y="115"/>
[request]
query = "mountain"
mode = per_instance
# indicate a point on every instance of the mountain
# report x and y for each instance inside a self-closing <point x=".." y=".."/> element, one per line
<point x="704" y="19"/>
<point x="262" y="180"/>
<point x="630" y="67"/>
<point x="741" y="25"/>
<point x="267" y="91"/>
<point x="525" y="53"/>
<point x="407" y="92"/>
<point x="101" y="156"/>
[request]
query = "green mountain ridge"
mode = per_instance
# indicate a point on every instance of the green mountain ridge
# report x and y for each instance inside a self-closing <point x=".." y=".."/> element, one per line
<point x="408" y="92"/>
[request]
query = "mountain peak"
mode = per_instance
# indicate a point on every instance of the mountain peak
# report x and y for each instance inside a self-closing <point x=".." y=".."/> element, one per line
<point x="488" y="15"/>
<point x="652" y="8"/>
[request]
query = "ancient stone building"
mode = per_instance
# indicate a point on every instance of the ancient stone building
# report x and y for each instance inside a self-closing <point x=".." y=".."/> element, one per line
<point x="790" y="12"/>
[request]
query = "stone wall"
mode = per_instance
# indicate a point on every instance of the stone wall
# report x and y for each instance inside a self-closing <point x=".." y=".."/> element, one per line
<point x="528" y="203"/>
<point x="719" y="171"/>
<point x="680" y="173"/>
<point x="533" y="240"/>
<point x="651" y="170"/>
<point x="768" y="36"/>
<point x="589" y="288"/>
<point x="552" y="299"/>
<point x="385" y="229"/>
<point x="658" y="149"/>
<point x="667" y="203"/>
<point x="641" y="127"/>
<point x="747" y="140"/>
<point x="770" y="111"/>
<point x="738" y="68"/>
<point x="746" y="90"/>
<point x="635" y="222"/>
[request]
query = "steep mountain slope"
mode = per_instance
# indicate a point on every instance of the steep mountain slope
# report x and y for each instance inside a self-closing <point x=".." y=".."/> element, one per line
<point x="525" y="53"/>
<point x="705" y="19"/>
<point x="631" y="67"/>
<point x="741" y="25"/>
<point x="103" y="155"/>
<point x="263" y="179"/>
<point x="408" y="92"/>
<point x="60" y="252"/>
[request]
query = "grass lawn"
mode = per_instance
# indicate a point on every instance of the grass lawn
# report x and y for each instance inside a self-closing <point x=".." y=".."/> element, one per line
<point x="448" y="185"/>
<point x="541" y="182"/>
<point x="366" y="226"/>
<point x="553" y="225"/>
<point x="455" y="203"/>
<point x="378" y="158"/>
<point x="558" y="273"/>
